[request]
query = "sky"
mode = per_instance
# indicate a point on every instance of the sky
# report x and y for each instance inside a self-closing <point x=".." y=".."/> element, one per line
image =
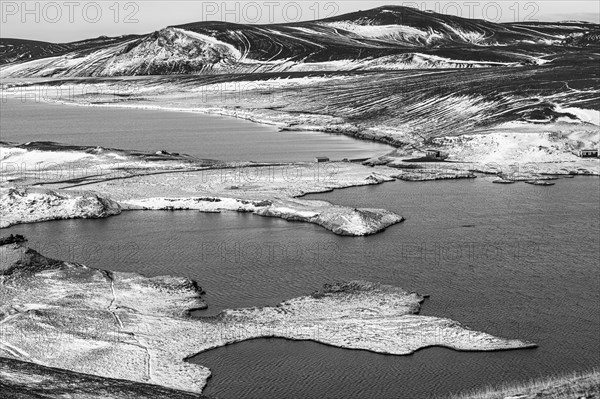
<point x="69" y="20"/>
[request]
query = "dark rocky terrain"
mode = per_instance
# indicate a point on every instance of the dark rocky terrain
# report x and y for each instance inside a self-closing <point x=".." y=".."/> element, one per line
<point x="24" y="380"/>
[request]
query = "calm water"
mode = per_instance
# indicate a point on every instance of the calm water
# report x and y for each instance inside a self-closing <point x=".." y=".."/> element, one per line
<point x="519" y="261"/>
<point x="203" y="136"/>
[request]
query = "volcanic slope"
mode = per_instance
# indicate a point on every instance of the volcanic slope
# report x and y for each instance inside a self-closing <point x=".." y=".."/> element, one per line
<point x="384" y="38"/>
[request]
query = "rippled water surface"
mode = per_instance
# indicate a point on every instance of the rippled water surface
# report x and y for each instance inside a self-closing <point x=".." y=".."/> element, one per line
<point x="203" y="136"/>
<point x="518" y="261"/>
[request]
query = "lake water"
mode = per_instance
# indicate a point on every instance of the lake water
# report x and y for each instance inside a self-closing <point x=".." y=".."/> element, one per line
<point x="519" y="261"/>
<point x="203" y="136"/>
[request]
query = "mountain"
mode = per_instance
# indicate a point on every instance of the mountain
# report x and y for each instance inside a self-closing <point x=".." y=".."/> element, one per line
<point x="384" y="38"/>
<point x="21" y="50"/>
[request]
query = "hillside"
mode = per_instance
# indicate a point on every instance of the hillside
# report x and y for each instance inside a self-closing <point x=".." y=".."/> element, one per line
<point x="384" y="38"/>
<point x="21" y="50"/>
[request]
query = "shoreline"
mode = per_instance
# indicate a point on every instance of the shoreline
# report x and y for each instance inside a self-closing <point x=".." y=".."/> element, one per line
<point x="102" y="182"/>
<point x="528" y="346"/>
<point x="273" y="107"/>
<point x="133" y="330"/>
<point x="174" y="183"/>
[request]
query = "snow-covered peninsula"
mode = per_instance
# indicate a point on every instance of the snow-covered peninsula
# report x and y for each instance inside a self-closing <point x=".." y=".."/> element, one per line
<point x="126" y="326"/>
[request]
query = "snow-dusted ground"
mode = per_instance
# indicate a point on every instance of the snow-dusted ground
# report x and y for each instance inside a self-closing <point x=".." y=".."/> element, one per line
<point x="539" y="149"/>
<point x="30" y="205"/>
<point x="421" y="106"/>
<point x="48" y="183"/>
<point x="126" y="326"/>
<point x="338" y="219"/>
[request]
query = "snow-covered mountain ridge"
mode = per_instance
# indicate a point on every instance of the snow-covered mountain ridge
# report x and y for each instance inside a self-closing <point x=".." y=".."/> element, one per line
<point x="384" y="38"/>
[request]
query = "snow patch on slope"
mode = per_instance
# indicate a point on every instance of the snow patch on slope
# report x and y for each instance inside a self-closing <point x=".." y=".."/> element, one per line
<point x="186" y="36"/>
<point x="401" y="33"/>
<point x="375" y="31"/>
<point x="585" y="115"/>
<point x="472" y="37"/>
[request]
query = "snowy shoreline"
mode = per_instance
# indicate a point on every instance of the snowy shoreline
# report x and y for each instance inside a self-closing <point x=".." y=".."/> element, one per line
<point x="45" y="181"/>
<point x="143" y="333"/>
<point x="48" y="182"/>
<point x="465" y="127"/>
